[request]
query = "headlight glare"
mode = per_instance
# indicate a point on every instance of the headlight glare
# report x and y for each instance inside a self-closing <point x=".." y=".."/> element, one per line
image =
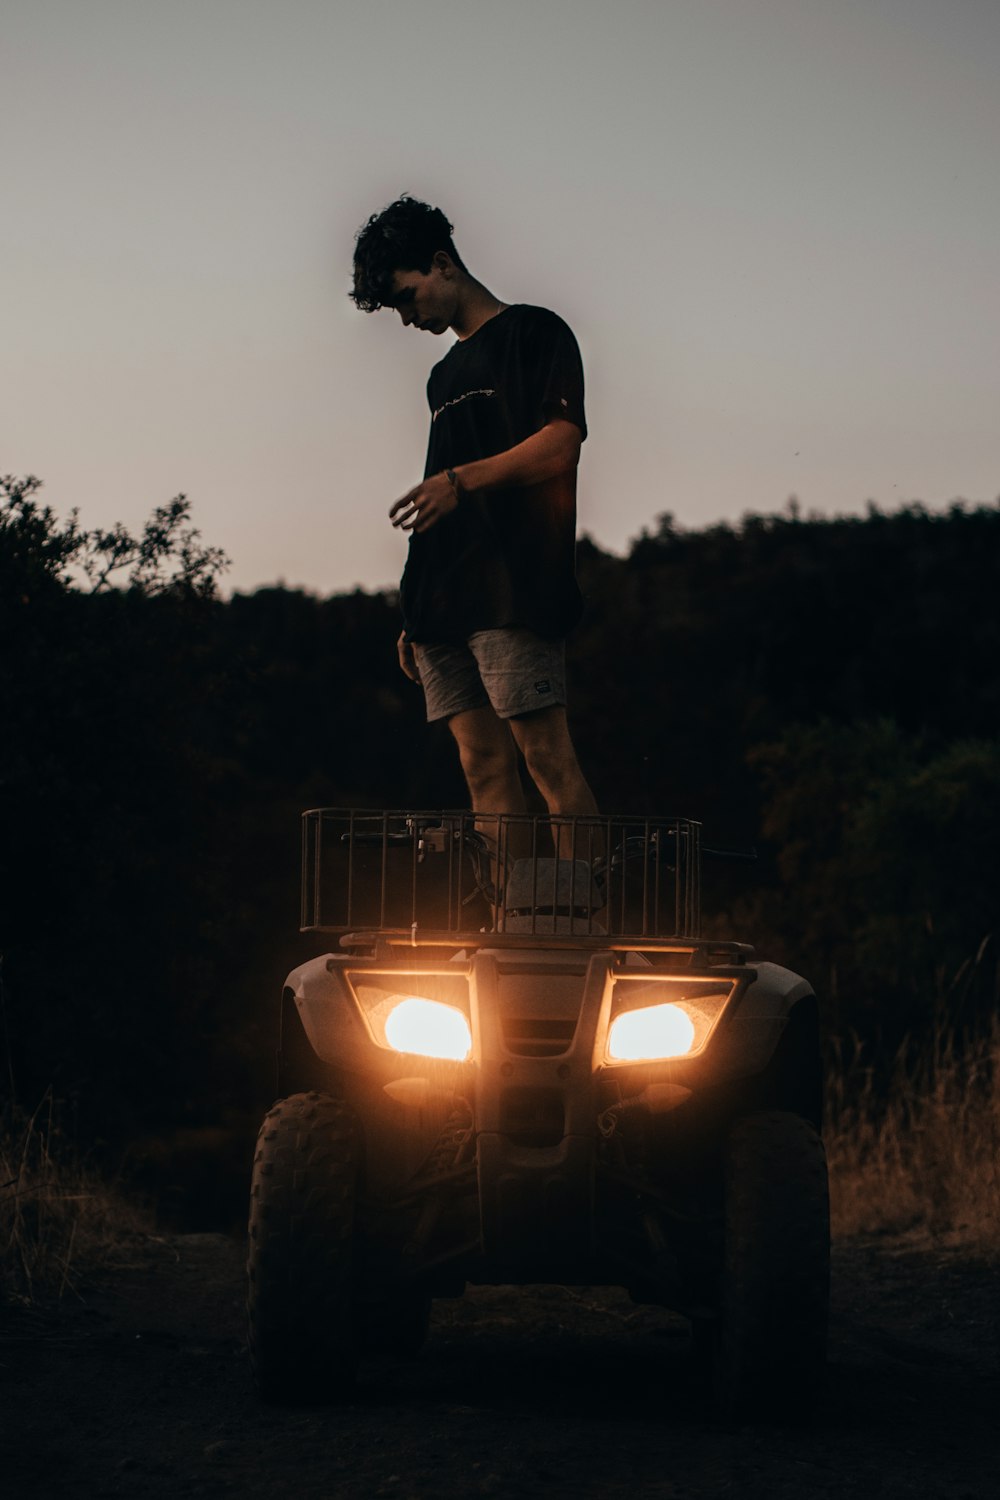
<point x="428" y="1029"/>
<point x="423" y="1014"/>
<point x="656" y="1031"/>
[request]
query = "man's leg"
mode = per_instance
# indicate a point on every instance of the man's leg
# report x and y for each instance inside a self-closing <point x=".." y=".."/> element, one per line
<point x="489" y="764"/>
<point x="543" y="739"/>
<point x="489" y="761"/>
<point x="524" y="676"/>
<point x="454" y="691"/>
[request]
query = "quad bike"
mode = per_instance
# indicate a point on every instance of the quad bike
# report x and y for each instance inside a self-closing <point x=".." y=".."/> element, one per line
<point x="524" y="1065"/>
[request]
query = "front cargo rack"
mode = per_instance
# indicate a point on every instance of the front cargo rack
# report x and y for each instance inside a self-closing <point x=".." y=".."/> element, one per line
<point x="439" y="875"/>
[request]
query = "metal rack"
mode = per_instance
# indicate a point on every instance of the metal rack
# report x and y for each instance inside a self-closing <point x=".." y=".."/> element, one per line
<point x="438" y="875"/>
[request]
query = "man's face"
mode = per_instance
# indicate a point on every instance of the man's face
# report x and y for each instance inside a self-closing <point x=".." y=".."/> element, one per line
<point x="425" y="299"/>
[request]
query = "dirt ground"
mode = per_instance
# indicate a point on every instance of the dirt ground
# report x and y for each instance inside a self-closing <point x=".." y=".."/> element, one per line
<point x="143" y="1390"/>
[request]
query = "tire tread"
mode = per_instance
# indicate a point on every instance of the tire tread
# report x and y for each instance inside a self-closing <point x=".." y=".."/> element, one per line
<point x="301" y="1327"/>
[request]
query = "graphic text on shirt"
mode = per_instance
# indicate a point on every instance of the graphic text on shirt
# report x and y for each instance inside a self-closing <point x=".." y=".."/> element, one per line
<point x="464" y="397"/>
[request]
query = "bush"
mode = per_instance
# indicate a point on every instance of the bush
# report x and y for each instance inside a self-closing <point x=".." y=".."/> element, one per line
<point x="885" y="848"/>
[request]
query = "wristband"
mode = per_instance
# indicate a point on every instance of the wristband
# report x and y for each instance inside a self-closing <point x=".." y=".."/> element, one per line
<point x="452" y="479"/>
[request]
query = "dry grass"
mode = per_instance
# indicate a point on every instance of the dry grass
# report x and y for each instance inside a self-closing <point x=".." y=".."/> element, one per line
<point x="923" y="1154"/>
<point x="60" y="1220"/>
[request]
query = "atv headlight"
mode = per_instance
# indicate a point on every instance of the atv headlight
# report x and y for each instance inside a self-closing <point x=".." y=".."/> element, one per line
<point x="677" y="1020"/>
<point x="402" y="1019"/>
<point x="428" y="1028"/>
<point x="655" y="1031"/>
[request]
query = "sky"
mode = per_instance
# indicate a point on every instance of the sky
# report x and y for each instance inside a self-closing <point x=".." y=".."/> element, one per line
<point x="772" y="224"/>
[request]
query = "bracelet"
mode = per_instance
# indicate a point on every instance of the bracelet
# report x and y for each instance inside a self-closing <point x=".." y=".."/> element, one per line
<point x="452" y="479"/>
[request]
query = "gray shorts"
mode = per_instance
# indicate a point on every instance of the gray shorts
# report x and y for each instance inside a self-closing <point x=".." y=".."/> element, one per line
<point x="512" y="669"/>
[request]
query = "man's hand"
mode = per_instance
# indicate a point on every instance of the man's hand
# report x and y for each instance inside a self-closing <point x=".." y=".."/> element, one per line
<point x="424" y="505"/>
<point x="407" y="660"/>
<point x="553" y="449"/>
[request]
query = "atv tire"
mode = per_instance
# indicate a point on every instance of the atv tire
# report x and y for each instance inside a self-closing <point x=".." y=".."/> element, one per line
<point x="301" y="1312"/>
<point x="769" y="1346"/>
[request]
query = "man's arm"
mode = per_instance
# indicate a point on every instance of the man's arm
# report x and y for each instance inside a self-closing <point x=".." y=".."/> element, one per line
<point x="554" y="449"/>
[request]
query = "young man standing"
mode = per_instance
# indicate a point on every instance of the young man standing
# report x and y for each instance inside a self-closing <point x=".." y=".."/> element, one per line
<point x="489" y="590"/>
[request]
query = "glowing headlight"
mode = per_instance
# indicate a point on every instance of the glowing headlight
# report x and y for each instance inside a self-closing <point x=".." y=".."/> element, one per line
<point x="425" y="1015"/>
<point x="429" y="1029"/>
<point x="653" y="1032"/>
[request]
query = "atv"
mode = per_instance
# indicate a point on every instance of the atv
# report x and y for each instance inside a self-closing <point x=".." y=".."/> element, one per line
<point x="524" y="1064"/>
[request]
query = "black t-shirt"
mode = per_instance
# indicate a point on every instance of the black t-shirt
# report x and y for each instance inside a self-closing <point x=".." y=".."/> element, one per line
<point x="504" y="557"/>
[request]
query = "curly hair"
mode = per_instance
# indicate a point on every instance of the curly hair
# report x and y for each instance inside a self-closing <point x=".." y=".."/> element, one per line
<point x="403" y="237"/>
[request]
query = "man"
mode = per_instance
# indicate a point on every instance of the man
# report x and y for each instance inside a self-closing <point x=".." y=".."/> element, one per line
<point x="489" y="590"/>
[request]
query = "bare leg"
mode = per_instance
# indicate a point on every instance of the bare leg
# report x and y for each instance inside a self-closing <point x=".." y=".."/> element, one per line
<point x="544" y="740"/>
<point x="489" y="761"/>
<point x="489" y="764"/>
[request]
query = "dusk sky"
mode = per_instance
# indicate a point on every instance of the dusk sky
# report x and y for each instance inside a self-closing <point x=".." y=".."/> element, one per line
<point x="772" y="224"/>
